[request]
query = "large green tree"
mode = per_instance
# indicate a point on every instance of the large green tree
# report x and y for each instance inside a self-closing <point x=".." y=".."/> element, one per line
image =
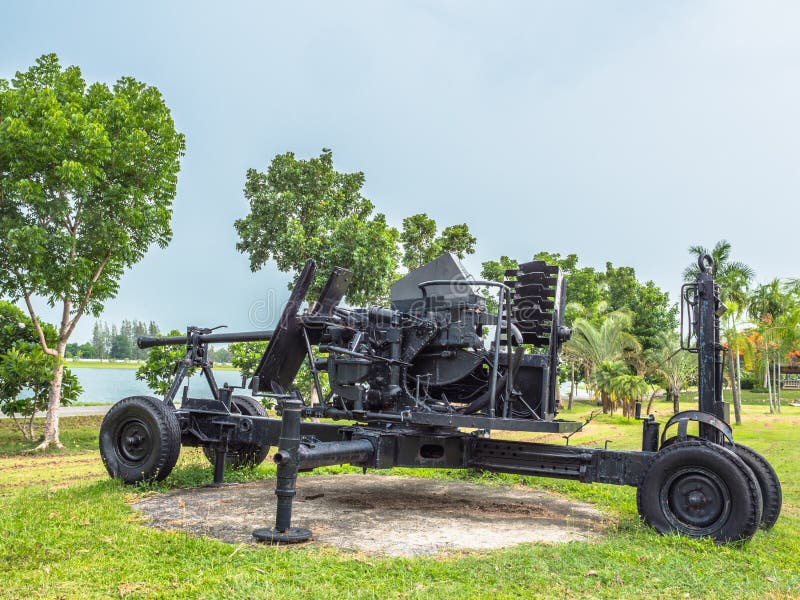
<point x="87" y="177"/>
<point x="301" y="209"/>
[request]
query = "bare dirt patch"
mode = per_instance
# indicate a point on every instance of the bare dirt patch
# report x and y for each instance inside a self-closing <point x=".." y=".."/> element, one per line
<point x="400" y="516"/>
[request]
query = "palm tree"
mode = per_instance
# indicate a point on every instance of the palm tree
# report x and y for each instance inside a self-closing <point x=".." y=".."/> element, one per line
<point x="611" y="341"/>
<point x="603" y="379"/>
<point x="774" y="306"/>
<point x="629" y="389"/>
<point x="675" y="366"/>
<point x="734" y="279"/>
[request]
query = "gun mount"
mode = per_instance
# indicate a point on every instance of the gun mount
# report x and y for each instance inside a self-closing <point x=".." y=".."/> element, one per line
<point x="423" y="383"/>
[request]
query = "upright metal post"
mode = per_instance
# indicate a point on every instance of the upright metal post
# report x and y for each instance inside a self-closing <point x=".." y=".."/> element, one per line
<point x="709" y="349"/>
<point x="288" y="448"/>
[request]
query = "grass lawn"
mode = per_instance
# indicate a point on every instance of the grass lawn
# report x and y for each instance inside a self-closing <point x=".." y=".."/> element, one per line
<point x="67" y="531"/>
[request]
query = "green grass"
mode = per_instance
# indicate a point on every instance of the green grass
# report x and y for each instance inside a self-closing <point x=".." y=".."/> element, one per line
<point x="67" y="531"/>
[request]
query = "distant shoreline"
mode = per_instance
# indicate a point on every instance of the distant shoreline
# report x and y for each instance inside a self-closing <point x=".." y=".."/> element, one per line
<point x="87" y="363"/>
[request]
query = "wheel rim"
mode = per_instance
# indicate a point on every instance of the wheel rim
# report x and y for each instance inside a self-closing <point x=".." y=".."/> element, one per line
<point x="695" y="500"/>
<point x="134" y="441"/>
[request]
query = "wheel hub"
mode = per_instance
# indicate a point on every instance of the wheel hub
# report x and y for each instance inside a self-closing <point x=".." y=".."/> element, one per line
<point x="696" y="499"/>
<point x="134" y="440"/>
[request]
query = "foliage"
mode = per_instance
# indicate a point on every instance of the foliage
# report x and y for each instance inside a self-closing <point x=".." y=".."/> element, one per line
<point x="88" y="174"/>
<point x="603" y="378"/>
<point x="17" y="328"/>
<point x="733" y="277"/>
<point x="245" y="356"/>
<point x="159" y="368"/>
<point x="25" y="383"/>
<point x="78" y="351"/>
<point x="584" y="292"/>
<point x="611" y="341"/>
<point x="420" y="244"/>
<point x="494" y="270"/>
<point x="301" y="209"/>
<point x="674" y="367"/>
<point x="650" y="307"/>
<point x="628" y="389"/>
<point x="221" y="355"/>
<point x="119" y="343"/>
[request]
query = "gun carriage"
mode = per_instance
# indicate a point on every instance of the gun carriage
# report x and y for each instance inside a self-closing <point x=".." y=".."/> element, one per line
<point x="419" y="384"/>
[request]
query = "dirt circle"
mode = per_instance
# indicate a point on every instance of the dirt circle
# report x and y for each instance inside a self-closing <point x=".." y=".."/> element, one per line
<point x="400" y="516"/>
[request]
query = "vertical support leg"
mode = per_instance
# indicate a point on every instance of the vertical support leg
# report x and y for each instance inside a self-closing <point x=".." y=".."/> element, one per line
<point x="221" y="451"/>
<point x="288" y="447"/>
<point x="219" y="465"/>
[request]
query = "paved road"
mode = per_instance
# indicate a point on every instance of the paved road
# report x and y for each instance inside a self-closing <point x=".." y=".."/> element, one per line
<point x="76" y="411"/>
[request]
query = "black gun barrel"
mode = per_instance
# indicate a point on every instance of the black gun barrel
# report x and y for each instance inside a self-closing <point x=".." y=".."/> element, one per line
<point x="206" y="338"/>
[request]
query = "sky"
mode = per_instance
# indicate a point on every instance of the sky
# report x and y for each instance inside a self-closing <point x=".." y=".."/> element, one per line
<point x="619" y="131"/>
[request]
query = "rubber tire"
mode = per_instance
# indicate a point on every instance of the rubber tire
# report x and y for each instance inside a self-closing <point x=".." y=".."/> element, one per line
<point x="161" y="450"/>
<point x="738" y="480"/>
<point x="248" y="455"/>
<point x="768" y="482"/>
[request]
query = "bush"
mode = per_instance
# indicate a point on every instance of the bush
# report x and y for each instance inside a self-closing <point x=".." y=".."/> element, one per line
<point x="28" y="370"/>
<point x="748" y="381"/>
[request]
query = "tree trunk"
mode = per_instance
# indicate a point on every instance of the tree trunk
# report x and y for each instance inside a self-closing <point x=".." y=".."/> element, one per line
<point x="769" y="387"/>
<point x="738" y="373"/>
<point x="54" y="401"/>
<point x="676" y="400"/>
<point x="737" y="401"/>
<point x="778" y="387"/>
<point x="649" y="410"/>
<point x="571" y="385"/>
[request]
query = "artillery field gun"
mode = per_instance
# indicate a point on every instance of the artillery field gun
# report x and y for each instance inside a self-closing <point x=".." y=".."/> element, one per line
<point x="418" y="385"/>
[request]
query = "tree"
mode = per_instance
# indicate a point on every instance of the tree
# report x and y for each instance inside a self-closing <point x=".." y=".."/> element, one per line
<point x="222" y="355"/>
<point x="629" y="389"/>
<point x="87" y="178"/>
<point x="774" y="306"/>
<point x="734" y="279"/>
<point x="650" y="307"/>
<point x="158" y="370"/>
<point x="29" y="370"/>
<point x="420" y="244"/>
<point x="494" y="270"/>
<point x="602" y="380"/>
<point x="609" y="342"/>
<point x="245" y="356"/>
<point x="301" y="209"/>
<point x="121" y="348"/>
<point x="99" y="341"/>
<point x="674" y="366"/>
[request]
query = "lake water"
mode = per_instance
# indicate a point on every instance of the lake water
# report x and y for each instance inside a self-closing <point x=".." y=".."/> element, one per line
<point x="107" y="386"/>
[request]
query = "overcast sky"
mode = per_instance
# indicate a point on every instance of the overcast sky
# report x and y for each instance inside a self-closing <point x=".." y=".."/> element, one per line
<point x="621" y="131"/>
